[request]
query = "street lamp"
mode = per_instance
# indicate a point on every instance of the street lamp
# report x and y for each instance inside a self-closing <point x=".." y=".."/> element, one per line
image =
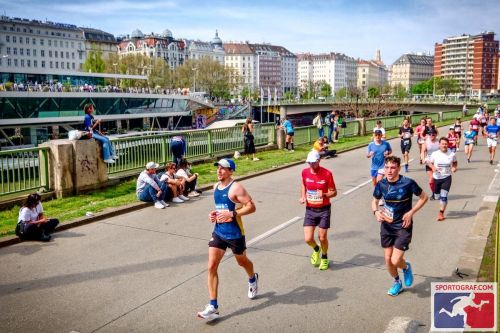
<point x="116" y="79"/>
<point x="194" y="78"/>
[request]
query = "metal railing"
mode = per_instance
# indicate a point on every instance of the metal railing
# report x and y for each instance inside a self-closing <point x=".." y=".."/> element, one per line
<point x="307" y="134"/>
<point x="23" y="170"/>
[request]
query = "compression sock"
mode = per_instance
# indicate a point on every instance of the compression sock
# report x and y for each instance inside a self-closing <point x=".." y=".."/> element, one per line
<point x="252" y="279"/>
<point x="324" y="256"/>
<point x="396" y="278"/>
<point x="316" y="248"/>
<point x="292" y="145"/>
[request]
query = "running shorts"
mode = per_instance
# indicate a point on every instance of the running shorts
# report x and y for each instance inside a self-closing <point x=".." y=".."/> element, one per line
<point x="405" y="147"/>
<point x="442" y="184"/>
<point x="375" y="172"/>
<point x="491" y="142"/>
<point x="399" y="238"/>
<point x="238" y="245"/>
<point x="318" y="217"/>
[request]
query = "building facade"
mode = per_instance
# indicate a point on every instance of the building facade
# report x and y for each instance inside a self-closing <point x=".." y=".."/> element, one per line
<point x="214" y="50"/>
<point x="162" y="46"/>
<point x="99" y="40"/>
<point x="336" y="69"/>
<point x="31" y="49"/>
<point x="472" y="60"/>
<point x="410" y="69"/>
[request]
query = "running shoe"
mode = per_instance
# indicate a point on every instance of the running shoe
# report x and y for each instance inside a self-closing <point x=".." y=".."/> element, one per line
<point x="159" y="205"/>
<point x="210" y="313"/>
<point x="109" y="161"/>
<point x="440" y="216"/>
<point x="324" y="264"/>
<point x="408" y="275"/>
<point x="396" y="288"/>
<point x="491" y="162"/>
<point x="193" y="194"/>
<point x="253" y="288"/>
<point x="177" y="200"/>
<point x="164" y="203"/>
<point x="431" y="197"/>
<point x="180" y="196"/>
<point x="468" y="160"/>
<point x="315" y="258"/>
<point x="256" y="159"/>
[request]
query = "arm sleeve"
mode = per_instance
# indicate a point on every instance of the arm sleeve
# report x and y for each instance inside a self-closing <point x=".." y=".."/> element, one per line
<point x="417" y="190"/>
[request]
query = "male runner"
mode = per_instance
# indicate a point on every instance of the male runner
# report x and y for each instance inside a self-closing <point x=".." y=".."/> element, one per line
<point x="377" y="150"/>
<point x="405" y="133"/>
<point x="317" y="189"/>
<point x="395" y="217"/>
<point x="492" y="132"/>
<point x="443" y="163"/>
<point x="231" y="202"/>
<point x="431" y="145"/>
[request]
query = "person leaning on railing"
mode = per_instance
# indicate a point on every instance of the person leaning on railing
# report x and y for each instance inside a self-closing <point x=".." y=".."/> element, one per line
<point x="32" y="223"/>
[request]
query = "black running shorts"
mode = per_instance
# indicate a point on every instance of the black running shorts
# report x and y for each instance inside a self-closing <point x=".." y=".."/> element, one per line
<point x="238" y="245"/>
<point x="318" y="217"/>
<point x="399" y="238"/>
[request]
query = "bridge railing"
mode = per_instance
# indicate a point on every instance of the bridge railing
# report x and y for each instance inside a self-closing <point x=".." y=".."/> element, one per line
<point x="23" y="170"/>
<point x="307" y="134"/>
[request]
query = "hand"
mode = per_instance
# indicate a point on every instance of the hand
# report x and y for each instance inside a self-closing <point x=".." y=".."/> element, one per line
<point x="196" y="174"/>
<point x="302" y="200"/>
<point x="158" y="194"/>
<point x="379" y="216"/>
<point x="407" y="219"/>
<point x="212" y="216"/>
<point x="224" y="216"/>
<point x="453" y="169"/>
<point x="370" y="154"/>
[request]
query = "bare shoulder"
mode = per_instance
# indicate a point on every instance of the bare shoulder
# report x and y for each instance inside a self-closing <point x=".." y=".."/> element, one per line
<point x="238" y="193"/>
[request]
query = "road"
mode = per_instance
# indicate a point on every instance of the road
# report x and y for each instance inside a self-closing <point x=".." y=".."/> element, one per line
<point x="145" y="271"/>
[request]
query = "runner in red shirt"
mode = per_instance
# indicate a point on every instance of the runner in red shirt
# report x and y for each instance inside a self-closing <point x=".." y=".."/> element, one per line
<point x="317" y="189"/>
<point x="419" y="133"/>
<point x="452" y="139"/>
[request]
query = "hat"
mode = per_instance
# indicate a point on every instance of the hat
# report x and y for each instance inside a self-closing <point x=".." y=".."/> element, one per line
<point x="226" y="163"/>
<point x="377" y="132"/>
<point x="452" y="127"/>
<point x="312" y="157"/>
<point x="152" y="165"/>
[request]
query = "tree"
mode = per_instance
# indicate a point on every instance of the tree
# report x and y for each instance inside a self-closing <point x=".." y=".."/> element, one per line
<point x="326" y="89"/>
<point x="341" y="93"/>
<point x="424" y="87"/>
<point x="373" y="92"/>
<point x="94" y="62"/>
<point x="400" y="91"/>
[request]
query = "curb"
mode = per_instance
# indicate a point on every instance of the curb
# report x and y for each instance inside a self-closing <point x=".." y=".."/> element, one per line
<point x="11" y="240"/>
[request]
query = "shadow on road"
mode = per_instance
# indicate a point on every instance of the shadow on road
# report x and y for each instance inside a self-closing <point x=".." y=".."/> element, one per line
<point x="299" y="296"/>
<point x="458" y="214"/>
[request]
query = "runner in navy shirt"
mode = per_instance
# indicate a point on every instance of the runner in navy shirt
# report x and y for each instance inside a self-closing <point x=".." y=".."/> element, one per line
<point x="396" y="219"/>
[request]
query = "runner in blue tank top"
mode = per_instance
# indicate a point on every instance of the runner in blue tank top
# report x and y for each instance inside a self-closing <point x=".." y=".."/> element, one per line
<point x="231" y="202"/>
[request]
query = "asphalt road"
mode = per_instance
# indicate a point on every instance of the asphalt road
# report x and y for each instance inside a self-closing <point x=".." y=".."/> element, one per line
<point x="145" y="271"/>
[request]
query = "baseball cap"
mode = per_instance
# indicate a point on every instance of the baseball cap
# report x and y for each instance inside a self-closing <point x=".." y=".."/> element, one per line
<point x="226" y="163"/>
<point x="377" y="132"/>
<point x="312" y="157"/>
<point x="452" y="127"/>
<point x="152" y="165"/>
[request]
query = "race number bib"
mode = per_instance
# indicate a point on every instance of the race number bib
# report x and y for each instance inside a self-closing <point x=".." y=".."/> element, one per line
<point x="387" y="212"/>
<point x="406" y="135"/>
<point x="314" y="197"/>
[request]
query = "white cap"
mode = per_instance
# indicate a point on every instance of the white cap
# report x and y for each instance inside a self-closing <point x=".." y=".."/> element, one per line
<point x="152" y="165"/>
<point x="312" y="157"/>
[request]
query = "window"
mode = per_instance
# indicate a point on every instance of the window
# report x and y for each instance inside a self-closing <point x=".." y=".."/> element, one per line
<point x="56" y="54"/>
<point x="73" y="65"/>
<point x="22" y="62"/>
<point x="35" y="63"/>
<point x="33" y="41"/>
<point x="67" y="65"/>
<point x="42" y="53"/>
<point x="8" y="50"/>
<point x="50" y="64"/>
<point x="67" y="44"/>
<point x="20" y="40"/>
<point x="15" y="62"/>
<point x="43" y="63"/>
<point x="14" y="39"/>
<point x="50" y="42"/>
<point x="34" y="52"/>
<point x="9" y="62"/>
<point x="27" y="40"/>
<point x="72" y="45"/>
<point x="28" y="63"/>
<point x="72" y="55"/>
<point x="50" y="54"/>
<point x="28" y="52"/>
<point x="61" y="43"/>
<point x="62" y="65"/>
<point x="42" y="41"/>
<point x="7" y="38"/>
<point x="15" y="51"/>
<point x="57" y="64"/>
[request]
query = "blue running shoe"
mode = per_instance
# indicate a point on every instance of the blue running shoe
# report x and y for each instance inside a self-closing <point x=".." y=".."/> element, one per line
<point x="396" y="288"/>
<point x="408" y="275"/>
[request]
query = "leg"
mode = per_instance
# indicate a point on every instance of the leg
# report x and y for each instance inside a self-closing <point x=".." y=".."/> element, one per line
<point x="106" y="153"/>
<point x="215" y="256"/>
<point x="309" y="236"/>
<point x="246" y="263"/>
<point x="393" y="271"/>
<point x="50" y="226"/>
<point x="323" y="240"/>
<point x="397" y="259"/>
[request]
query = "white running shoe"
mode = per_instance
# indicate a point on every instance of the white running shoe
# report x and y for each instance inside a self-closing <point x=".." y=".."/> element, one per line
<point x="253" y="288"/>
<point x="177" y="200"/>
<point x="109" y="161"/>
<point x="159" y="205"/>
<point x="183" y="197"/>
<point x="256" y="159"/>
<point x="115" y="157"/>
<point x="164" y="203"/>
<point x="210" y="313"/>
<point x="193" y="194"/>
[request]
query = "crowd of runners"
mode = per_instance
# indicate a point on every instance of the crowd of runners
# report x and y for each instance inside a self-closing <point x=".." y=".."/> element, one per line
<point x="392" y="204"/>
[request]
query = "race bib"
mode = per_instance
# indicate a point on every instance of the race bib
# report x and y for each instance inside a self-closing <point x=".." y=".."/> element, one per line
<point x="406" y="135"/>
<point x="314" y="197"/>
<point x="387" y="212"/>
<point x="406" y="142"/>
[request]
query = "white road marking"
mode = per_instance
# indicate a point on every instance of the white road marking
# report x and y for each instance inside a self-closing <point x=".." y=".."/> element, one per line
<point x="363" y="184"/>
<point x="490" y="198"/>
<point x="402" y="325"/>
<point x="273" y="231"/>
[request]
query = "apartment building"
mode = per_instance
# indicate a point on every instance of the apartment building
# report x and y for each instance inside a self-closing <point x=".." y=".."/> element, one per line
<point x="196" y="49"/>
<point x="410" y="69"/>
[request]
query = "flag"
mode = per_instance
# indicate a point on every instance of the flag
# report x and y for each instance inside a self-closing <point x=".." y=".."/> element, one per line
<point x="261" y="96"/>
<point x="275" y="96"/>
<point x="268" y="96"/>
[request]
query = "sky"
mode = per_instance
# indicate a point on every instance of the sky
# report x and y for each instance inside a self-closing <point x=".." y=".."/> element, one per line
<point x="354" y="27"/>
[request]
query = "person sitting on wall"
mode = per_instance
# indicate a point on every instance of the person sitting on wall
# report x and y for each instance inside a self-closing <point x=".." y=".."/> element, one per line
<point x="190" y="179"/>
<point x="90" y="125"/>
<point x="32" y="223"/>
<point x="150" y="188"/>
<point x="321" y="146"/>
<point x="176" y="184"/>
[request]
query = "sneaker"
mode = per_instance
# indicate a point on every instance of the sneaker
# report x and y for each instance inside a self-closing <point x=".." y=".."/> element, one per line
<point x="183" y="197"/>
<point x="468" y="160"/>
<point x="256" y="159"/>
<point x="193" y="194"/>
<point x="159" y="205"/>
<point x="291" y="151"/>
<point x="253" y="288"/>
<point x="406" y="168"/>
<point x="315" y="258"/>
<point x="396" y="288"/>
<point x="440" y="217"/>
<point x="115" y="157"/>
<point x="45" y="237"/>
<point x="324" y="264"/>
<point x="109" y="160"/>
<point x="408" y="275"/>
<point x="210" y="313"/>
<point x="164" y="203"/>
<point x="431" y="197"/>
<point x="381" y="202"/>
<point x="177" y="200"/>
<point x="491" y="162"/>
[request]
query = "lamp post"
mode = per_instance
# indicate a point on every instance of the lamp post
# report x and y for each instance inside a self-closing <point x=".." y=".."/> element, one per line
<point x="116" y="79"/>
<point x="194" y="78"/>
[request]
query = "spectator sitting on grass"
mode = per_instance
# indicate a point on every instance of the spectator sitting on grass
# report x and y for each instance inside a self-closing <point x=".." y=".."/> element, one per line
<point x="190" y="179"/>
<point x="176" y="184"/>
<point x="149" y="187"/>
<point x="32" y="224"/>
<point x="321" y="146"/>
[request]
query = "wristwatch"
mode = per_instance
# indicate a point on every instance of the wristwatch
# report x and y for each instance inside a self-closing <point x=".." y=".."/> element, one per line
<point x="375" y="211"/>
<point x="234" y="214"/>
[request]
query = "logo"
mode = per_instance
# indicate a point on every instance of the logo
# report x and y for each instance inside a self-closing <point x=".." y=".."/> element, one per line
<point x="470" y="306"/>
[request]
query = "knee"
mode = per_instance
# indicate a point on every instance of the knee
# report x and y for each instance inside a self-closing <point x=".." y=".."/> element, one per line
<point x="394" y="261"/>
<point x="309" y="238"/>
<point x="388" y="261"/>
<point x="212" y="267"/>
<point x="323" y="238"/>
